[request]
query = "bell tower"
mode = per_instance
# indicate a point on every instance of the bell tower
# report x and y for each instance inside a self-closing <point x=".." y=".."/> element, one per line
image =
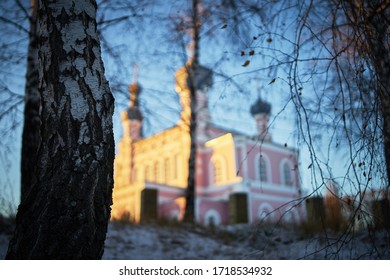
<point x="261" y="111"/>
<point x="132" y="116"/>
<point x="202" y="82"/>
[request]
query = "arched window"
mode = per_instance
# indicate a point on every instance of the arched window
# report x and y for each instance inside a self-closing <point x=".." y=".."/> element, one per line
<point x="176" y="163"/>
<point x="219" y="169"/>
<point x="263" y="170"/>
<point x="212" y="218"/>
<point x="168" y="170"/>
<point x="266" y="212"/>
<point x="290" y="216"/>
<point x="218" y="176"/>
<point x="287" y="176"/>
<point x="157" y="172"/>
<point x="148" y="174"/>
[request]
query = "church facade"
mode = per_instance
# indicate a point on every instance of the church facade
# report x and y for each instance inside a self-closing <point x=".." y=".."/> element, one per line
<point x="239" y="178"/>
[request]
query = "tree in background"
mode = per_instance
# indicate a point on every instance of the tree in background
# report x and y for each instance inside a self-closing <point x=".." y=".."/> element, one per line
<point x="30" y="137"/>
<point x="192" y="70"/>
<point x="342" y="50"/>
<point x="66" y="212"/>
<point x="369" y="38"/>
<point x="196" y="23"/>
<point x="333" y="59"/>
<point x="13" y="18"/>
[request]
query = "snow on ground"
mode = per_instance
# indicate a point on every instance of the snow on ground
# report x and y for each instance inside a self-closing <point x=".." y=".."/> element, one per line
<point x="171" y="242"/>
<point x="239" y="242"/>
<point x="153" y="241"/>
<point x="3" y="245"/>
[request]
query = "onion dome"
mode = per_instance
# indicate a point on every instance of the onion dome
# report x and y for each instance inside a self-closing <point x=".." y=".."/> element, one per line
<point x="203" y="77"/>
<point x="260" y="107"/>
<point x="134" y="90"/>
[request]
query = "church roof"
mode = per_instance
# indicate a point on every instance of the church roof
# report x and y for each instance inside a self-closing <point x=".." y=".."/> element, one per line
<point x="260" y="107"/>
<point x="134" y="90"/>
<point x="203" y="77"/>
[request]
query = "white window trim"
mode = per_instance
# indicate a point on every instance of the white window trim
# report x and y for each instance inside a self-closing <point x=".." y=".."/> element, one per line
<point x="212" y="213"/>
<point x="268" y="167"/>
<point x="292" y="173"/>
<point x="222" y="160"/>
<point x="269" y="210"/>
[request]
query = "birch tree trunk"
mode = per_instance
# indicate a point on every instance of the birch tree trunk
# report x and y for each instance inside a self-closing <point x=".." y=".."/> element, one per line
<point x="189" y="213"/>
<point x="66" y="212"/>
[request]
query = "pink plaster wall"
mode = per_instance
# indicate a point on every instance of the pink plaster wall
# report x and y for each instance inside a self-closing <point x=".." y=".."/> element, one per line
<point x="212" y="197"/>
<point x="275" y="157"/>
<point x="222" y="207"/>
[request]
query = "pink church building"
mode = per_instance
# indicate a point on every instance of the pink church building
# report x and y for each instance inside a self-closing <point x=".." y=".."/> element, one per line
<point x="239" y="178"/>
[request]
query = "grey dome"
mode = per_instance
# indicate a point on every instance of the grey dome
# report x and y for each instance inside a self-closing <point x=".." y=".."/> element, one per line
<point x="260" y="107"/>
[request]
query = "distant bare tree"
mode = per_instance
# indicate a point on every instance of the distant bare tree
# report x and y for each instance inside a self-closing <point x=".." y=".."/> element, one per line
<point x="30" y="137"/>
<point x="14" y="32"/>
<point x="333" y="56"/>
<point x="194" y="24"/>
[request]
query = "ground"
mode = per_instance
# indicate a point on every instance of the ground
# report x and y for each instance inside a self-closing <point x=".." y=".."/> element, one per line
<point x="170" y="241"/>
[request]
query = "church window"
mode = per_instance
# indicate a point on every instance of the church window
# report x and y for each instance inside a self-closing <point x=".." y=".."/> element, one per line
<point x="266" y="212"/>
<point x="175" y="166"/>
<point x="168" y="170"/>
<point x="148" y="174"/>
<point x="218" y="172"/>
<point x="212" y="218"/>
<point x="263" y="170"/>
<point x="287" y="176"/>
<point x="157" y="172"/>
<point x="219" y="169"/>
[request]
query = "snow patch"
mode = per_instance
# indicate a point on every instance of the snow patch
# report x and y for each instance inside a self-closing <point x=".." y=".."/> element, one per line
<point x="150" y="241"/>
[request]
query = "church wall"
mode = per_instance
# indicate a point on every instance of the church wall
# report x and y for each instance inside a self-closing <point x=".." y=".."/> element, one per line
<point x="278" y="199"/>
<point x="273" y="209"/>
<point x="202" y="174"/>
<point x="213" y="210"/>
<point x="163" y="158"/>
<point x="127" y="203"/>
<point x="170" y="200"/>
<point x="214" y="132"/>
<point x="274" y="157"/>
<point x="225" y="164"/>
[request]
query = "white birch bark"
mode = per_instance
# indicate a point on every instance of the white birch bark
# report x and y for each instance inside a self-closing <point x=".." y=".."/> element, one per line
<point x="66" y="212"/>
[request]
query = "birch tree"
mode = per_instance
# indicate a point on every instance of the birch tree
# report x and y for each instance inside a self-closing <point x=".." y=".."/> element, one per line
<point x="197" y="78"/>
<point x="192" y="67"/>
<point x="66" y="212"/>
<point x="350" y="74"/>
